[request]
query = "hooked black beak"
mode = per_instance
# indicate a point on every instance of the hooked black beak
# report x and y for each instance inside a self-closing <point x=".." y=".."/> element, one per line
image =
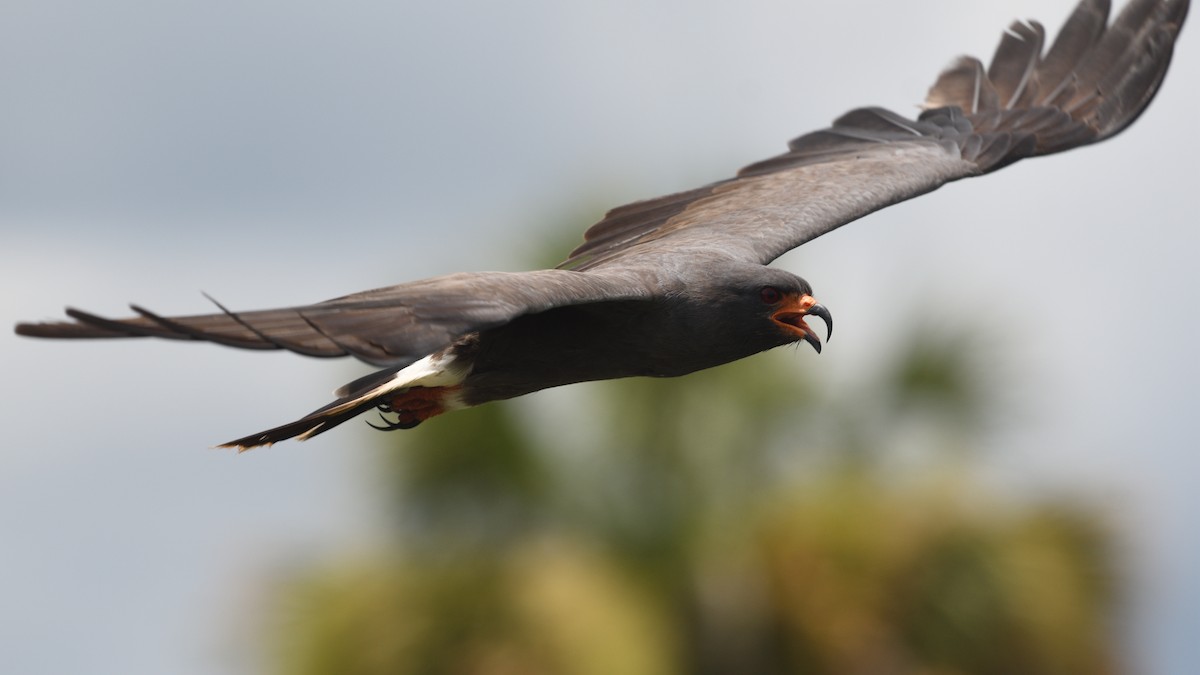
<point x="794" y="317"/>
<point x="822" y="313"/>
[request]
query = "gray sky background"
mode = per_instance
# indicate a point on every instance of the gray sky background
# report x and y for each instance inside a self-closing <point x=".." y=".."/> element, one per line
<point x="273" y="153"/>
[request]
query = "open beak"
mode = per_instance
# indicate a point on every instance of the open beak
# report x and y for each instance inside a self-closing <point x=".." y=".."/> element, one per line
<point x="792" y="315"/>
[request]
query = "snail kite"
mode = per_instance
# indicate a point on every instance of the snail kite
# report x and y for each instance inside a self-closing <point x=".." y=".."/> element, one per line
<point x="674" y="284"/>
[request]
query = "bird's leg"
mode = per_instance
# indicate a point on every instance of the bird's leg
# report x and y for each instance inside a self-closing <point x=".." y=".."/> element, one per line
<point x="411" y="407"/>
<point x="390" y="425"/>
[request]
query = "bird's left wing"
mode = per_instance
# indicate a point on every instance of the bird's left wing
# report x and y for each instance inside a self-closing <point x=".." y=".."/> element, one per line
<point x="391" y="326"/>
<point x="1092" y="83"/>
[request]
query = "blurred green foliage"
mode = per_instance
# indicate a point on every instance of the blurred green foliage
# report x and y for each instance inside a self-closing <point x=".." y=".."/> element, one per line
<point x="746" y="519"/>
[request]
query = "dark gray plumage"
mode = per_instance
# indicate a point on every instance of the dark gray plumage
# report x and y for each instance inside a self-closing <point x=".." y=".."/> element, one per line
<point x="675" y="284"/>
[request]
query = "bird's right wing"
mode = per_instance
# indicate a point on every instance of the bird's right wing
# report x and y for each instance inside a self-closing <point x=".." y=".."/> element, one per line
<point x="1093" y="82"/>
<point x="391" y="326"/>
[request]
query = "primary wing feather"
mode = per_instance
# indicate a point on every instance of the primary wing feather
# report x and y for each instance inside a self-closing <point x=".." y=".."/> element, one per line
<point x="390" y="326"/>
<point x="1093" y="82"/>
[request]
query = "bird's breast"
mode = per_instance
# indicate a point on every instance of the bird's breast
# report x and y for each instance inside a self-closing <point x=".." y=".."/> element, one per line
<point x="598" y="341"/>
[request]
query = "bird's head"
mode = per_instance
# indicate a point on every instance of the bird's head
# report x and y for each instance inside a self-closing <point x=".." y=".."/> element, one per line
<point x="784" y="300"/>
<point x="786" y="308"/>
<point x="761" y="307"/>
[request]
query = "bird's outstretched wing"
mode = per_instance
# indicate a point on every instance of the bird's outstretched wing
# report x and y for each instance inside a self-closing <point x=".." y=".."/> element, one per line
<point x="1092" y="83"/>
<point x="391" y="326"/>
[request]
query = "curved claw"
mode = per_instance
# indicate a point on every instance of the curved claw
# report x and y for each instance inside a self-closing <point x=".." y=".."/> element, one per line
<point x="388" y="425"/>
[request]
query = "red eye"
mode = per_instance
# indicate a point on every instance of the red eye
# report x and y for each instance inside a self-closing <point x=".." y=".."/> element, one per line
<point x="770" y="295"/>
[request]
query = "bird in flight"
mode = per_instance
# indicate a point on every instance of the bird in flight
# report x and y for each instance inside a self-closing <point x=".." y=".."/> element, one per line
<point x="679" y="283"/>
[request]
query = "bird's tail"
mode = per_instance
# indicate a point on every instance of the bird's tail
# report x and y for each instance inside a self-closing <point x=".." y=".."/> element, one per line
<point x="413" y="393"/>
<point x="353" y="399"/>
<point x="316" y="422"/>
